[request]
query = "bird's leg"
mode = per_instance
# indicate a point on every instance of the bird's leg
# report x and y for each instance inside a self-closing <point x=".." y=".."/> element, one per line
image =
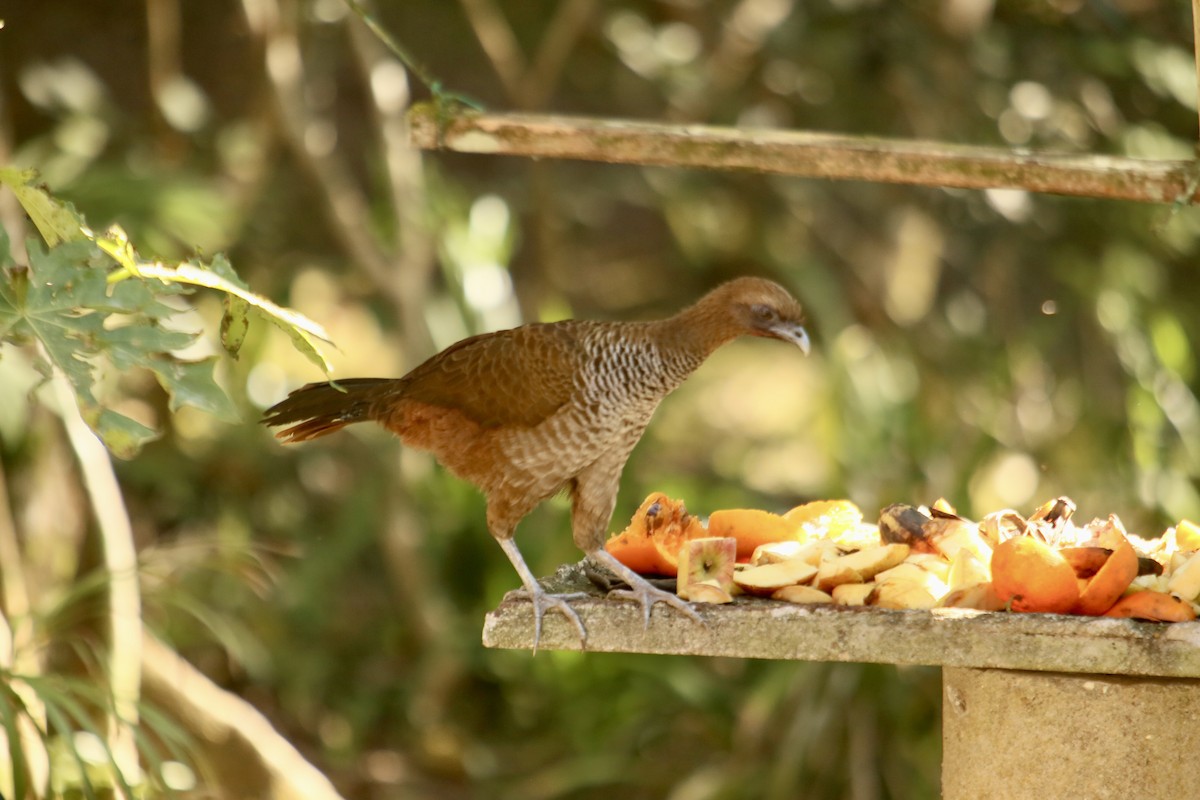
<point x="542" y="600"/>
<point x="640" y="589"/>
<point x="593" y="496"/>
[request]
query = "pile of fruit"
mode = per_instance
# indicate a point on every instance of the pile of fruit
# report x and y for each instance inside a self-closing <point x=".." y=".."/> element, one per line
<point x="918" y="558"/>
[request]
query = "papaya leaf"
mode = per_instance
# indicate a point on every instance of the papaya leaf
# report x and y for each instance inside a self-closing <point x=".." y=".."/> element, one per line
<point x="85" y="314"/>
<point x="191" y="383"/>
<point x="235" y="323"/>
<point x="56" y="221"/>
<point x="122" y="435"/>
<point x="305" y="334"/>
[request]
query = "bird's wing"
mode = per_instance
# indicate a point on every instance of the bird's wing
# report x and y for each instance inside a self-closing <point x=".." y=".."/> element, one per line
<point x="513" y="377"/>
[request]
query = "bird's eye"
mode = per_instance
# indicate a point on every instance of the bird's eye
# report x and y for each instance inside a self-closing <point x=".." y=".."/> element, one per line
<point x="761" y="311"/>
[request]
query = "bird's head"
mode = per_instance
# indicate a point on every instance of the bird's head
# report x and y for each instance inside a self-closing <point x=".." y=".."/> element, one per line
<point x="764" y="308"/>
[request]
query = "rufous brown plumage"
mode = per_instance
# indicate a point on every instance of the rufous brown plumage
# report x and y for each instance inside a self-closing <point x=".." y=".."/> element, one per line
<point x="546" y="407"/>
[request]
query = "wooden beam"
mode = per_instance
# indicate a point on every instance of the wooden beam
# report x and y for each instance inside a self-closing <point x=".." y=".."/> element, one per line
<point x="804" y="154"/>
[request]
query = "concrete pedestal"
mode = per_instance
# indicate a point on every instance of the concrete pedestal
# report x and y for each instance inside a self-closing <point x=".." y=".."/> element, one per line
<point x="1018" y="735"/>
<point x="1036" y="706"/>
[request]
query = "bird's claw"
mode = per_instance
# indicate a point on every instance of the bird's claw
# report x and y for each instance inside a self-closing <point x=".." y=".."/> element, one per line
<point x="544" y="601"/>
<point x="648" y="595"/>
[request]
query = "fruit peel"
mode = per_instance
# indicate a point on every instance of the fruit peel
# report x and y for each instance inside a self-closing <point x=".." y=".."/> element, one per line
<point x="1153" y="607"/>
<point x="1029" y="575"/>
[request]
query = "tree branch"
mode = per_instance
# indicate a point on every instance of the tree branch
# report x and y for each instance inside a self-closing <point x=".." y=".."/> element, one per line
<point x="805" y="154"/>
<point x="234" y="739"/>
<point x="120" y="561"/>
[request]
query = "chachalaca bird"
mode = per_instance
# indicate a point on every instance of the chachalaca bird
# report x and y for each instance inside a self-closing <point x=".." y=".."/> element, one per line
<point x="529" y="412"/>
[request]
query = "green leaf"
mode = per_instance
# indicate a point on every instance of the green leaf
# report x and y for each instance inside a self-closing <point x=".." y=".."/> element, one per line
<point x="12" y="710"/>
<point x="14" y="285"/>
<point x="122" y="435"/>
<point x="191" y="383"/>
<point x="305" y="334"/>
<point x="235" y="323"/>
<point x="56" y="221"/>
<point x="128" y="346"/>
<point x="85" y="314"/>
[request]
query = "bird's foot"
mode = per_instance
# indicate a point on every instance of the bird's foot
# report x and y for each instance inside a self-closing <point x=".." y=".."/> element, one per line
<point x="642" y="590"/>
<point x="648" y="595"/>
<point x="543" y="601"/>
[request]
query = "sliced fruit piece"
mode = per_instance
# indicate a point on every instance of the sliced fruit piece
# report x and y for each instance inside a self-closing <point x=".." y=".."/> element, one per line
<point x="914" y="573"/>
<point x="706" y="559"/>
<point x="1187" y="535"/>
<point x="1107" y="585"/>
<point x="1029" y="575"/>
<point x="871" y="561"/>
<point x="852" y="594"/>
<point x="857" y="537"/>
<point x="1185" y="580"/>
<point x="1156" y="583"/>
<point x="966" y="570"/>
<point x="833" y="571"/>
<point x="651" y="542"/>
<point x="706" y="592"/>
<point x="901" y="594"/>
<point x="948" y="536"/>
<point x="775" y="552"/>
<point x="981" y="597"/>
<point x="943" y="506"/>
<point x="636" y="550"/>
<point x="931" y="562"/>
<point x="1153" y="606"/>
<point x="752" y="528"/>
<point x="825" y="518"/>
<point x="801" y="594"/>
<point x="766" y="579"/>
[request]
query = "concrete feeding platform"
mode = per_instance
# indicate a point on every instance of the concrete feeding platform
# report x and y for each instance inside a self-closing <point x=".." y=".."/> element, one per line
<point x="1034" y="705"/>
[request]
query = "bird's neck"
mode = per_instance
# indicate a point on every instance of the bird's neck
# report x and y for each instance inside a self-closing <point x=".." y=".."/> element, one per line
<point x="688" y="338"/>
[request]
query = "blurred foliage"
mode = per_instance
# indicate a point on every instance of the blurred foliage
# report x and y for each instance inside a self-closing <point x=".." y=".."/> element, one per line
<point x="997" y="348"/>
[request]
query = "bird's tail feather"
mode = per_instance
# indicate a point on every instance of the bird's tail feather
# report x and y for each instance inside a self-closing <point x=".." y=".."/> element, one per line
<point x="318" y="409"/>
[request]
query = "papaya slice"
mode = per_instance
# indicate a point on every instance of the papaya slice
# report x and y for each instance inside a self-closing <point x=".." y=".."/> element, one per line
<point x="650" y="544"/>
<point x="1152" y="606"/>
<point x="752" y="528"/>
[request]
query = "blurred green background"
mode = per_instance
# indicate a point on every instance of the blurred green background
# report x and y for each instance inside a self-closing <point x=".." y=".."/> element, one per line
<point x="997" y="348"/>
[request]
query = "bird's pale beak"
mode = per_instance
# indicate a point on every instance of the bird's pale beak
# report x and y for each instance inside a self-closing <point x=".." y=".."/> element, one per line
<point x="794" y="334"/>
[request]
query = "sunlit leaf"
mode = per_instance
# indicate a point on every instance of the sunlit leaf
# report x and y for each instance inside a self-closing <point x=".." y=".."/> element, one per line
<point x="122" y="435"/>
<point x="56" y="221"/>
<point x="86" y="315"/>
<point x="235" y="323"/>
<point x="305" y="334"/>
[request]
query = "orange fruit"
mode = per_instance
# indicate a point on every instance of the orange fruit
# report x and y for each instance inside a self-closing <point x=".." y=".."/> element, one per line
<point x="1154" y="606"/>
<point x="1112" y="579"/>
<point x="751" y="527"/>
<point x="651" y="543"/>
<point x="635" y="550"/>
<point x="1029" y="575"/>
<point x="824" y="518"/>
